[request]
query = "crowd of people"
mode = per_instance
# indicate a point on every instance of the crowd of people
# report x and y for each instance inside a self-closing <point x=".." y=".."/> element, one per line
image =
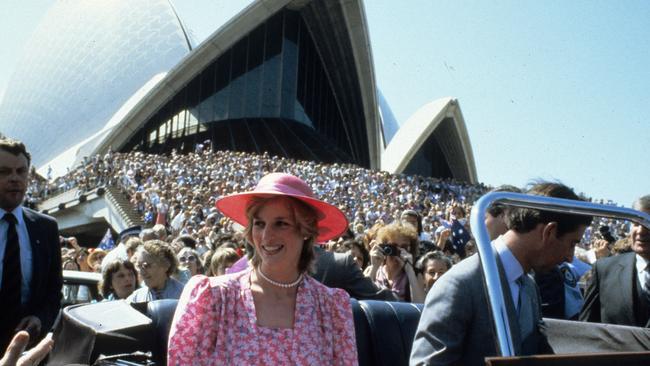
<point x="176" y="195"/>
<point x="280" y="226"/>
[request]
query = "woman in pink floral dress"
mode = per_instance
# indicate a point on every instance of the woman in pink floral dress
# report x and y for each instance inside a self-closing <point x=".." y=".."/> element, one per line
<point x="273" y="313"/>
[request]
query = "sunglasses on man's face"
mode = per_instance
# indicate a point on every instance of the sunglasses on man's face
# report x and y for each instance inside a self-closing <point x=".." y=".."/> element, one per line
<point x="190" y="258"/>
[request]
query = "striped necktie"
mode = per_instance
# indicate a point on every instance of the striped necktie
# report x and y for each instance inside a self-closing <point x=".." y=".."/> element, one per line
<point x="12" y="279"/>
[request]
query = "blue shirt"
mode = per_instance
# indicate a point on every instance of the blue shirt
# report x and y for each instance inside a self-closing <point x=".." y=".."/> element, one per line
<point x="25" y="249"/>
<point x="173" y="289"/>
<point x="511" y="267"/>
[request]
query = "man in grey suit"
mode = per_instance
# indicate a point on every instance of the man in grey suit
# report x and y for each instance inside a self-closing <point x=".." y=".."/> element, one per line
<point x="456" y="326"/>
<point x="619" y="289"/>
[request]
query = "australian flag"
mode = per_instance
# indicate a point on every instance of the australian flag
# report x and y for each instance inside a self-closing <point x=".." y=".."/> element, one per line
<point x="107" y="242"/>
<point x="459" y="237"/>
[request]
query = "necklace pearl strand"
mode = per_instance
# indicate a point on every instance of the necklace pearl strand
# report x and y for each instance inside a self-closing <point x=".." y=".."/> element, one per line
<point x="280" y="284"/>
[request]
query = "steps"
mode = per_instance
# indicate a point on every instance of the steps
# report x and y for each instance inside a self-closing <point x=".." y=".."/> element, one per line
<point x="122" y="204"/>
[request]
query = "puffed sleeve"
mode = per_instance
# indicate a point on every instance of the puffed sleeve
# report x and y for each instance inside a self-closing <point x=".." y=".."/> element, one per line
<point x="345" y="342"/>
<point x="193" y="329"/>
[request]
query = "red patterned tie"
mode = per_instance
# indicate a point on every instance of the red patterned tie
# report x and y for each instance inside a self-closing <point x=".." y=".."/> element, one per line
<point x="11" y="283"/>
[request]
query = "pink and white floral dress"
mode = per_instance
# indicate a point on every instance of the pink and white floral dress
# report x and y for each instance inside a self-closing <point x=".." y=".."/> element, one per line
<point x="215" y="324"/>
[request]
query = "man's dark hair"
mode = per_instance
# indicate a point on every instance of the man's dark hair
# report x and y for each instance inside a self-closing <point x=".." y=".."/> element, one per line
<point x="16" y="148"/>
<point x="497" y="209"/>
<point x="523" y="220"/>
<point x="187" y="241"/>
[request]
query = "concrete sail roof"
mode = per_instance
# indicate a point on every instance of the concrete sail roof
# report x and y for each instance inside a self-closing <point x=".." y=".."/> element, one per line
<point x="354" y="27"/>
<point x="82" y="63"/>
<point x="424" y="123"/>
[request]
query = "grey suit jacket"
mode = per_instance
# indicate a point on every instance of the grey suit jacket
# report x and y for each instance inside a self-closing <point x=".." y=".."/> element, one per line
<point x="339" y="270"/>
<point x="613" y="295"/>
<point x="456" y="327"/>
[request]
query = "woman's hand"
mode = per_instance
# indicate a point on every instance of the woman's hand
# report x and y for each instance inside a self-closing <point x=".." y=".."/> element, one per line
<point x="601" y="248"/>
<point x="376" y="256"/>
<point x="376" y="260"/>
<point x="405" y="257"/>
<point x="416" y="283"/>
<point x="444" y="235"/>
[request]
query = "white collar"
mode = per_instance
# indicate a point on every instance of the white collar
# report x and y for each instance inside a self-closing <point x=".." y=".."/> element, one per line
<point x="641" y="264"/>
<point x="511" y="265"/>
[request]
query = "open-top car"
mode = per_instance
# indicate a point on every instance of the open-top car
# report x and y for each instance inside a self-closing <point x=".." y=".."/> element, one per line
<point x="384" y="330"/>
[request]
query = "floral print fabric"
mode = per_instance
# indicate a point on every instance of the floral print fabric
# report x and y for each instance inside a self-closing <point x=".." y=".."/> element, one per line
<point x="215" y="324"/>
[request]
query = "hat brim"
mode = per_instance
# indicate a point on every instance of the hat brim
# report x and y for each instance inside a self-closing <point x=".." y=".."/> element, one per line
<point x="331" y="222"/>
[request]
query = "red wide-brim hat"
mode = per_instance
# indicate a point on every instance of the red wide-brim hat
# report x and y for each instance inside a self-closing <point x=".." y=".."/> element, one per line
<point x="331" y="221"/>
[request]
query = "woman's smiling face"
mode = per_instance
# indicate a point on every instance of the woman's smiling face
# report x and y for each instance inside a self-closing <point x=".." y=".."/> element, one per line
<point x="276" y="235"/>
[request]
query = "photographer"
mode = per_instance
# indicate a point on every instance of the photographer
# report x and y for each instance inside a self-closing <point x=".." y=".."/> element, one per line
<point x="391" y="262"/>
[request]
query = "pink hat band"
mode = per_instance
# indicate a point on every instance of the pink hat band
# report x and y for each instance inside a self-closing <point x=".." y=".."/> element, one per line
<point x="284" y="184"/>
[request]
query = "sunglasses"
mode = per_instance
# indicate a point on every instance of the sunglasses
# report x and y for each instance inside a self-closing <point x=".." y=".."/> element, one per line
<point x="190" y="258"/>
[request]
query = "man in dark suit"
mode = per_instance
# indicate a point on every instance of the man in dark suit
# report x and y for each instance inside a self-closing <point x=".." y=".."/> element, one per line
<point x="619" y="289"/>
<point x="456" y="327"/>
<point x="30" y="254"/>
<point x="339" y="270"/>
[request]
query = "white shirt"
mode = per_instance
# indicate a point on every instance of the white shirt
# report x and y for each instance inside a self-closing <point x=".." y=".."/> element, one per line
<point x="511" y="267"/>
<point x="641" y="265"/>
<point x="25" y="249"/>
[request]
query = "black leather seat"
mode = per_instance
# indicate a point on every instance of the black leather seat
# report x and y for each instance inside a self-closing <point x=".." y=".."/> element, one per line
<point x="161" y="313"/>
<point x="384" y="330"/>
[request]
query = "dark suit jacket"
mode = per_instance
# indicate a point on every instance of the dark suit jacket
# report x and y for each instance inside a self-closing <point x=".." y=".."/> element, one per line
<point x="339" y="270"/>
<point x="613" y="295"/>
<point x="45" y="290"/>
<point x="456" y="327"/>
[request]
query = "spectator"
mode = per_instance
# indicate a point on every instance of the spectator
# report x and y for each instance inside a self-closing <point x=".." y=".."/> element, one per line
<point x="495" y="216"/>
<point x="189" y="259"/>
<point x="432" y="265"/>
<point x="156" y="262"/>
<point x="414" y="218"/>
<point x="95" y="259"/>
<point x="222" y="259"/>
<point x="119" y="280"/>
<point x="620" y="285"/>
<point x="119" y="252"/>
<point x="391" y="261"/>
<point x="81" y="258"/>
<point x="358" y="252"/>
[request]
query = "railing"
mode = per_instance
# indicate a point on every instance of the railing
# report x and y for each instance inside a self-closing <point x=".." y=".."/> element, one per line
<point x="487" y="254"/>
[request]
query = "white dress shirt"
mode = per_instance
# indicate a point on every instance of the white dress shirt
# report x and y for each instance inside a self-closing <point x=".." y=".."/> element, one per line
<point x="641" y="265"/>
<point x="25" y="249"/>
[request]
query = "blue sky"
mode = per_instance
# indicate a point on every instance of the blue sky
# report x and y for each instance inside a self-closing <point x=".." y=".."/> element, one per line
<point x="553" y="90"/>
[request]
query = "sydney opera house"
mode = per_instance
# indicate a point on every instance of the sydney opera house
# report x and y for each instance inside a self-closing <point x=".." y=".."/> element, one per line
<point x="292" y="78"/>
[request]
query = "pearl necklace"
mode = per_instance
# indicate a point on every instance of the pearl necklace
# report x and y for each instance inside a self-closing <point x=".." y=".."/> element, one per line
<point x="280" y="284"/>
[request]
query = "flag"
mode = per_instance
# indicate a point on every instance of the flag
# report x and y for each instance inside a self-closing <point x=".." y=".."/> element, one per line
<point x="459" y="237"/>
<point x="107" y="242"/>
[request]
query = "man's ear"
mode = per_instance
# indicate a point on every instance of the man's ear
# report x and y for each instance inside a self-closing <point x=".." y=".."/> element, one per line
<point x="549" y="231"/>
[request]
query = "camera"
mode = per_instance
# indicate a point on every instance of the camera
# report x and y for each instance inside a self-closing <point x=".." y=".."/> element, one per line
<point x="389" y="250"/>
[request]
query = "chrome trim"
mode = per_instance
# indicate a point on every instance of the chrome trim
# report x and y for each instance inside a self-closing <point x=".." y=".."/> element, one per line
<point x="489" y="264"/>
